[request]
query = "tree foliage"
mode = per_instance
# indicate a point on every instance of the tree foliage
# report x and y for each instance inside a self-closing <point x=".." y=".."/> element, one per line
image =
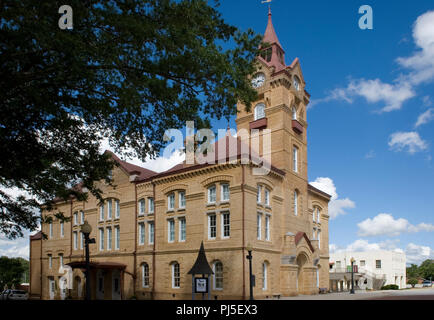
<point x="126" y="72"/>
<point x="12" y="271"/>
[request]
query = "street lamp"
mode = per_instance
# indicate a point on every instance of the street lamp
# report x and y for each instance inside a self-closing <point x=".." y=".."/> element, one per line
<point x="86" y="229"/>
<point x="251" y="277"/>
<point x="352" y="276"/>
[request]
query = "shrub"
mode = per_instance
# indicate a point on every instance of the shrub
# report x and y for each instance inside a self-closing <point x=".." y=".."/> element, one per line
<point x="390" y="287"/>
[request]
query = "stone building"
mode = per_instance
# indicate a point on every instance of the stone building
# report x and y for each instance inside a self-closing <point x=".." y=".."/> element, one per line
<point x="149" y="229"/>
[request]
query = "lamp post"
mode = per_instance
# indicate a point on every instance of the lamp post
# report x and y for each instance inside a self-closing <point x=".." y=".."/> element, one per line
<point x="86" y="229"/>
<point x="352" y="276"/>
<point x="249" y="257"/>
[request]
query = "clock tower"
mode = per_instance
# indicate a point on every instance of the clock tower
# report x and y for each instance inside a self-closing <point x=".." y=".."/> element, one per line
<point x="281" y="106"/>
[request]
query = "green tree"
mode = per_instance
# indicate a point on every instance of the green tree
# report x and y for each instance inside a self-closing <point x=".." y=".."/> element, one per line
<point x="11" y="271"/>
<point x="127" y="71"/>
<point x="427" y="269"/>
<point x="413" y="282"/>
<point x="413" y="271"/>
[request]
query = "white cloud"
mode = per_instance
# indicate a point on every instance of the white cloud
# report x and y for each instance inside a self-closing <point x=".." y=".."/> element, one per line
<point x="337" y="206"/>
<point x="416" y="254"/>
<point x="425" y="117"/>
<point x="385" y="224"/>
<point x="411" y="141"/>
<point x="371" y="154"/>
<point x="15" y="248"/>
<point x="420" y="69"/>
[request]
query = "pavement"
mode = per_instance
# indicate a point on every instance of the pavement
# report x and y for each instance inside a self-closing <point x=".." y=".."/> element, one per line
<point x="404" y="294"/>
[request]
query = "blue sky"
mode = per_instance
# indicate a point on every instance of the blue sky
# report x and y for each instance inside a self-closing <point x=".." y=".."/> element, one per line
<point x="378" y="160"/>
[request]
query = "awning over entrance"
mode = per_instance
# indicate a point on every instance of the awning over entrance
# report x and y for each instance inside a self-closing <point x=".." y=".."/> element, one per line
<point x="96" y="265"/>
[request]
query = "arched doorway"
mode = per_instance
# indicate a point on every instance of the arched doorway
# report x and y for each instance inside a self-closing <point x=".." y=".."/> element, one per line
<point x="301" y="261"/>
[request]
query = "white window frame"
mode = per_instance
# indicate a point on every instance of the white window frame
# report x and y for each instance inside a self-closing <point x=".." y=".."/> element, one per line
<point x="170" y="230"/>
<point x="101" y="212"/>
<point x="223" y="193"/>
<point x="259" y="226"/>
<point x="117" y="209"/>
<point x="178" y="276"/>
<point x="142" y="233"/>
<point x="264" y="276"/>
<point x="145" y="276"/>
<point x="151" y="205"/>
<point x="151" y="232"/>
<point x="109" y="238"/>
<point x="117" y="237"/>
<point x="294" y="113"/>
<point x="295" y="203"/>
<point x="109" y="209"/>
<point x="259" y="194"/>
<point x="319" y="238"/>
<point x="223" y="215"/>
<point x="62" y="229"/>
<point x="214" y="277"/>
<point x="75" y="218"/>
<point x="182" y="229"/>
<point x="267" y="197"/>
<point x="81" y="217"/>
<point x="214" y="193"/>
<point x="50" y="261"/>
<point x="295" y="159"/>
<point x="142" y="205"/>
<point x="51" y="230"/>
<point x="259" y="112"/>
<point x="101" y="239"/>
<point x="267" y="227"/>
<point x="181" y="199"/>
<point x="209" y="226"/>
<point x="171" y="202"/>
<point x="81" y="240"/>
<point x="61" y="260"/>
<point x="75" y="240"/>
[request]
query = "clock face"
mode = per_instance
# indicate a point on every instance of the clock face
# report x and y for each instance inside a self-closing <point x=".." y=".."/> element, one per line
<point x="258" y="80"/>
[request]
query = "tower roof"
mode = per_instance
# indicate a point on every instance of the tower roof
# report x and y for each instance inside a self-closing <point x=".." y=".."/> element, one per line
<point x="201" y="266"/>
<point x="270" y="35"/>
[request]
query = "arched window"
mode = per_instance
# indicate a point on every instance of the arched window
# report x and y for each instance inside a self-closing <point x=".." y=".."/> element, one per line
<point x="295" y="202"/>
<point x="145" y="275"/>
<point x="296" y="83"/>
<point x="176" y="275"/>
<point x="294" y="113"/>
<point x="264" y="276"/>
<point x="259" y="111"/>
<point x="218" y="275"/>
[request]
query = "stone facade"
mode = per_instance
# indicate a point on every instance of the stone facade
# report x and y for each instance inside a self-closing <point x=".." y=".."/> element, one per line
<point x="281" y="227"/>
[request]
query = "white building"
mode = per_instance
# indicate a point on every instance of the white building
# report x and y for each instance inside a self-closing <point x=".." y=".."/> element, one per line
<point x="375" y="269"/>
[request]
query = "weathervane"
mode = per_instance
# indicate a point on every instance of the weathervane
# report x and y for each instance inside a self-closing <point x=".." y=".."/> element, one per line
<point x="269" y="5"/>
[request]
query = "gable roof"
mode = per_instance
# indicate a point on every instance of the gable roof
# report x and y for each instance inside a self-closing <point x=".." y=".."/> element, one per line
<point x="131" y="169"/>
<point x="302" y="235"/>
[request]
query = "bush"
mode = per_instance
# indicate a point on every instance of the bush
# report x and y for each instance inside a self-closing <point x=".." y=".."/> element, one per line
<point x="412" y="282"/>
<point x="390" y="287"/>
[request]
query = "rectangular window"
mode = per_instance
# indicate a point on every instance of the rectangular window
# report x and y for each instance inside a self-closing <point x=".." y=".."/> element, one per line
<point x="51" y="229"/>
<point x="318" y="215"/>
<point x="295" y="203"/>
<point x="101" y="212"/>
<point x="151" y="205"/>
<point x="319" y="239"/>
<point x="259" y="226"/>
<point x="60" y="259"/>
<point x="362" y="263"/>
<point x="176" y="276"/>
<point x="75" y="218"/>
<point x="378" y="264"/>
<point x="225" y="192"/>
<point x="171" y="201"/>
<point x="226" y="225"/>
<point x="81" y="240"/>
<point x="81" y="217"/>
<point x="171" y="230"/>
<point x="182" y="230"/>
<point x="182" y="199"/>
<point x="258" y="194"/>
<point x="109" y="209"/>
<point x="295" y="158"/>
<point x="151" y="232"/>
<point x="338" y="264"/>
<point x="145" y="276"/>
<point x="314" y="234"/>
<point x="117" y="209"/>
<point x="117" y="238"/>
<point x="267" y="197"/>
<point x="50" y="261"/>
<point x="101" y="239"/>
<point x="212" y="226"/>
<point x="212" y="194"/>
<point x="141" y="233"/>
<point x="267" y="227"/>
<point x="75" y="240"/>
<point x="142" y="207"/>
<point x="109" y="238"/>
<point x="62" y="230"/>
